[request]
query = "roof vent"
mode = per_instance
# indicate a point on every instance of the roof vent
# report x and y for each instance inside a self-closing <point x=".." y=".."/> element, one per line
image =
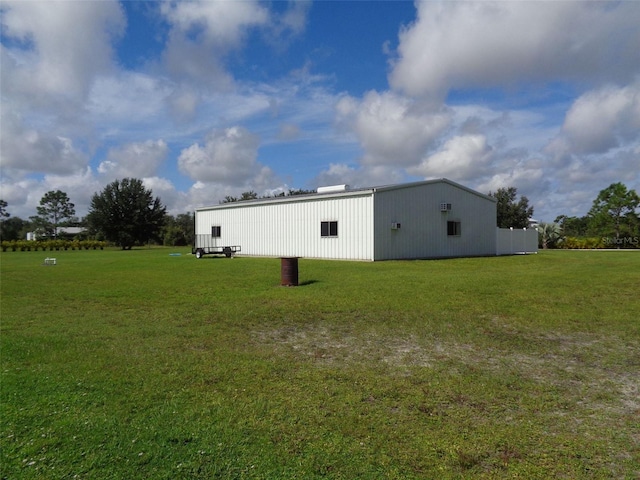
<point x="333" y="189"/>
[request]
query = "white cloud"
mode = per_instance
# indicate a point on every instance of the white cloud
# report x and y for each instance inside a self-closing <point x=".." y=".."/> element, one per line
<point x="205" y="194"/>
<point x="17" y="194"/>
<point x="65" y="98"/>
<point x="618" y="166"/>
<point x="184" y="103"/>
<point x="227" y="156"/>
<point x="137" y="160"/>
<point x="80" y="187"/>
<point x="455" y="45"/>
<point x="127" y="101"/>
<point x="52" y="53"/>
<point x="23" y="195"/>
<point x="203" y="33"/>
<point x="288" y="132"/>
<point x="523" y="178"/>
<point x="215" y="23"/>
<point x="62" y="45"/>
<point x="461" y="158"/>
<point x="294" y="18"/>
<point x="25" y="149"/>
<point x="392" y="130"/>
<point x="211" y="193"/>
<point x="176" y="202"/>
<point x="337" y="174"/>
<point x="366" y="176"/>
<point x="601" y="120"/>
<point x="286" y="26"/>
<point x="201" y="194"/>
<point x="158" y="184"/>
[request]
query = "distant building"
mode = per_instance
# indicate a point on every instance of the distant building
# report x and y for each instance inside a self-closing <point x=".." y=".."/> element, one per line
<point x="62" y="232"/>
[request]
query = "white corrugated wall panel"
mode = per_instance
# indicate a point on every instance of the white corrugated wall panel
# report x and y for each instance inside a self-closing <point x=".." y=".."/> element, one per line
<point x="292" y="228"/>
<point x="423" y="231"/>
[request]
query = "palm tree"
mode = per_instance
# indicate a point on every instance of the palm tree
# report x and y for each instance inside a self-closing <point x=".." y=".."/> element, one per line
<point x="549" y="234"/>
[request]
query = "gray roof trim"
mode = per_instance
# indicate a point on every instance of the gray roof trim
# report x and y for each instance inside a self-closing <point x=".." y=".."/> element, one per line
<point x="355" y="192"/>
<point x="434" y="181"/>
<point x="311" y="197"/>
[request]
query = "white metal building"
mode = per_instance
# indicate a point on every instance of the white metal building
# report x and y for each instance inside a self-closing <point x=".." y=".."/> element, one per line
<point x="429" y="219"/>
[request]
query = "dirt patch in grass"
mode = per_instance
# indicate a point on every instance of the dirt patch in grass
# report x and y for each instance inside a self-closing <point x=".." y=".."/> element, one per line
<point x="334" y="347"/>
<point x="570" y="386"/>
<point x="591" y="370"/>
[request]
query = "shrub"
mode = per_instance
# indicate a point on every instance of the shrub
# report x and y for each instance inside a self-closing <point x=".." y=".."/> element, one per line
<point x="582" y="243"/>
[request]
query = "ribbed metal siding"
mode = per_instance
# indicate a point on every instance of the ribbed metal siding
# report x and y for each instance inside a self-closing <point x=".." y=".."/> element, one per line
<point x="423" y="231"/>
<point x="293" y="228"/>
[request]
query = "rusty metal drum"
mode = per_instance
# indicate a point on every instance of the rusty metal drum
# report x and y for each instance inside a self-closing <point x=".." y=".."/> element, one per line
<point x="289" y="271"/>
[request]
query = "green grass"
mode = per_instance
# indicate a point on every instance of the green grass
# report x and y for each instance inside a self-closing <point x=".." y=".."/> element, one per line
<point x="144" y="365"/>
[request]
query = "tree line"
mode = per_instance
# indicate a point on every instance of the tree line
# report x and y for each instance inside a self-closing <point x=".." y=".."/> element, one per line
<point x="124" y="213"/>
<point x="612" y="222"/>
<point x="127" y="214"/>
<point x="251" y="195"/>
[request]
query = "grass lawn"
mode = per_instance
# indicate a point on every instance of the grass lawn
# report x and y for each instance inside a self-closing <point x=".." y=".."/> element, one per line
<point x="146" y="365"/>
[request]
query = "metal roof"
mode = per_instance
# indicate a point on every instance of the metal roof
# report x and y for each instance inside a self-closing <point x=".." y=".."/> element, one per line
<point x="351" y="192"/>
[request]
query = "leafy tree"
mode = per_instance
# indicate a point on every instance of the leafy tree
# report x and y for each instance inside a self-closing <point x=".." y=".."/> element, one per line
<point x="549" y="235"/>
<point x="3" y="215"/>
<point x="250" y="195"/>
<point x="179" y="230"/>
<point x="55" y="207"/>
<point x="299" y="191"/>
<point x="126" y="213"/>
<point x="294" y="191"/>
<point x="229" y="199"/>
<point x="3" y="209"/>
<point x="14" y="228"/>
<point x="512" y="213"/>
<point x="573" y="226"/>
<point x="614" y="212"/>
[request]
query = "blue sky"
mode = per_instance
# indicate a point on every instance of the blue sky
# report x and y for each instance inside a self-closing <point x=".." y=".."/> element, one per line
<point x="207" y="99"/>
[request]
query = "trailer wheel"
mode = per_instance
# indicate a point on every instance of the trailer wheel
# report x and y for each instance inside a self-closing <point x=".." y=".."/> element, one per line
<point x="199" y="253"/>
<point x="227" y="252"/>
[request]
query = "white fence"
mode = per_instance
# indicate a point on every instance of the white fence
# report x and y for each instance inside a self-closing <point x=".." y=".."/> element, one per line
<point x="511" y="241"/>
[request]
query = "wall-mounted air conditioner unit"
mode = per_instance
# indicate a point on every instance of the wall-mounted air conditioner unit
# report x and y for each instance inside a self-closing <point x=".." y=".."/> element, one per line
<point x="445" y="207"/>
<point x="395" y="226"/>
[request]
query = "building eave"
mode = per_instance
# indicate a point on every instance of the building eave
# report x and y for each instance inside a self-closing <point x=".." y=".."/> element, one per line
<point x="355" y="192"/>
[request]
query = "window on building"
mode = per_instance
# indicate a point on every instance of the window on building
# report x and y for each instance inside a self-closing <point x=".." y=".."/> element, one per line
<point x="215" y="231"/>
<point x="328" y="229"/>
<point x="453" y="229"/>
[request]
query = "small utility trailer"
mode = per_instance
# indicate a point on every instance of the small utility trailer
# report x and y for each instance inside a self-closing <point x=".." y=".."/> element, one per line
<point x="205" y="245"/>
